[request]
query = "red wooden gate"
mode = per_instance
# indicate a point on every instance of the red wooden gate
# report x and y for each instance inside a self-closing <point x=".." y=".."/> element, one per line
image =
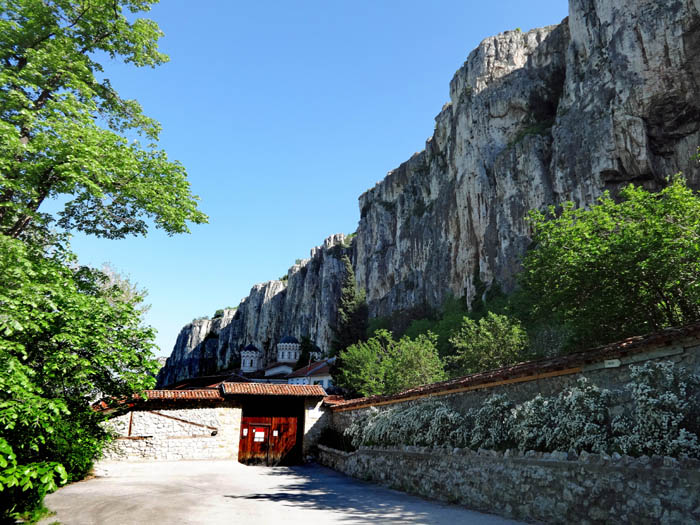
<point x="266" y="440"/>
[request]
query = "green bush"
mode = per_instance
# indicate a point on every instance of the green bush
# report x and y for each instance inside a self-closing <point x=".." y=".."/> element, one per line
<point x="382" y="365"/>
<point x="619" y="268"/>
<point x="492" y="342"/>
<point x="420" y="424"/>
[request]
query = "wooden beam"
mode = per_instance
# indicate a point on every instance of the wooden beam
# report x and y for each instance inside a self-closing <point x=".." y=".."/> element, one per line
<point x="182" y="420"/>
<point x="457" y="390"/>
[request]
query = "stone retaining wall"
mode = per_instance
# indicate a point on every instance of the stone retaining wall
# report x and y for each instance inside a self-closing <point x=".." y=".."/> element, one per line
<point x="193" y="433"/>
<point x="553" y="488"/>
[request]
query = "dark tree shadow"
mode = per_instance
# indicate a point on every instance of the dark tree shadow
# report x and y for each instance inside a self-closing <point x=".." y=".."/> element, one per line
<point x="315" y="487"/>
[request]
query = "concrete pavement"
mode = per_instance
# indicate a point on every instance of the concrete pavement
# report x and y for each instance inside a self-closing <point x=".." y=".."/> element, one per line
<point x="218" y="492"/>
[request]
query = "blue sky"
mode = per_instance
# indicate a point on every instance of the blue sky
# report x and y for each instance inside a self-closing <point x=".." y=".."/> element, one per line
<point x="283" y="114"/>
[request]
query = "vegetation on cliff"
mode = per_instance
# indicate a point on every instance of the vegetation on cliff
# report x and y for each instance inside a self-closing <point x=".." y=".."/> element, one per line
<point x="619" y="268"/>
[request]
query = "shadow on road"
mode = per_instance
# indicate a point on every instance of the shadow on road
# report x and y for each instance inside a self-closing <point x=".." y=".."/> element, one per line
<point x="316" y="487"/>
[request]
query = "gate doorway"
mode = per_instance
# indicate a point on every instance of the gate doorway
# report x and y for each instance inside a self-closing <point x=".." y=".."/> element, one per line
<point x="267" y="440"/>
<point x="272" y="430"/>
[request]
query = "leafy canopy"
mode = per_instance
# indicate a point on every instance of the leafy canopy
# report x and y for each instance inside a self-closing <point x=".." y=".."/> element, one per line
<point x="68" y="335"/>
<point x="491" y="342"/>
<point x="619" y="268"/>
<point x="382" y="365"/>
<point x="66" y="133"/>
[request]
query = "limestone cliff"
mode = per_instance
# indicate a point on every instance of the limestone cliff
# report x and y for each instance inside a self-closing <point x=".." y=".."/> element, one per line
<point x="607" y="97"/>
<point x="302" y="305"/>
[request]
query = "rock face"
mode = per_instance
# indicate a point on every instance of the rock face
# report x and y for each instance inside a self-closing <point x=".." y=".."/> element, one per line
<point x="607" y="97"/>
<point x="303" y="305"/>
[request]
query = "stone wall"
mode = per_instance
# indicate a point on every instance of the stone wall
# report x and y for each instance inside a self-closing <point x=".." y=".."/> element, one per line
<point x="552" y="488"/>
<point x="316" y="418"/>
<point x="175" y="434"/>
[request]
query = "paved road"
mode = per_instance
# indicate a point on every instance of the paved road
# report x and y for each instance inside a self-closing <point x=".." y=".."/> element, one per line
<point x="217" y="492"/>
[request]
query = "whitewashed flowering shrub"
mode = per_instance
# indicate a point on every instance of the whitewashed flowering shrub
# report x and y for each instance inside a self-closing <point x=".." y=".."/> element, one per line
<point x="533" y="422"/>
<point x="664" y="419"/>
<point x="492" y="424"/>
<point x="582" y="419"/>
<point x="423" y="424"/>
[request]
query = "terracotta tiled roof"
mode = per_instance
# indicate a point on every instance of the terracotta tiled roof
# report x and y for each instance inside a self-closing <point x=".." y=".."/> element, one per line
<point x="334" y="400"/>
<point x="201" y="393"/>
<point x="319" y="368"/>
<point x="267" y="389"/>
<point x="549" y="366"/>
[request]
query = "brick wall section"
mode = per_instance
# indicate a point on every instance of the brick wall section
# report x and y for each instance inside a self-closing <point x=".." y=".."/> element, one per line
<point x="155" y="437"/>
<point x="552" y="488"/>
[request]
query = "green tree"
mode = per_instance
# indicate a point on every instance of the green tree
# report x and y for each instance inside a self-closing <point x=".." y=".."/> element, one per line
<point x="351" y="326"/>
<point x="382" y="365"/>
<point x="306" y="347"/>
<point x="619" y="268"/>
<point x="444" y="326"/>
<point x="66" y="132"/>
<point x="491" y="342"/>
<point x="68" y="336"/>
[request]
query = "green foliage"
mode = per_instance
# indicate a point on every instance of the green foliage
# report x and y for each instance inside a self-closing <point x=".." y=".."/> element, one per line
<point x="382" y="365"/>
<point x="66" y="132"/>
<point x="492" y="342"/>
<point x="218" y="313"/>
<point x="306" y="347"/>
<point x="71" y="334"/>
<point x="619" y="268"/>
<point x="351" y="325"/>
<point x="68" y="337"/>
<point x="444" y="326"/>
<point x="330" y="437"/>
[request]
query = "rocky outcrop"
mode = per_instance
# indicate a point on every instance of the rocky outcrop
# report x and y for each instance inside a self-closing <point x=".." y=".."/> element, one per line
<point x="302" y="305"/>
<point x="607" y="97"/>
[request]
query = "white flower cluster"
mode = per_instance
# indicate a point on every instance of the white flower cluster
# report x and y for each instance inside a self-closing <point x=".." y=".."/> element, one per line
<point x="422" y="424"/>
<point x="664" y="419"/>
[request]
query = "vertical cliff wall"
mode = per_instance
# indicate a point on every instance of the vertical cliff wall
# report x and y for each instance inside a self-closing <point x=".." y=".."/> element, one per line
<point x="303" y="305"/>
<point x="607" y="97"/>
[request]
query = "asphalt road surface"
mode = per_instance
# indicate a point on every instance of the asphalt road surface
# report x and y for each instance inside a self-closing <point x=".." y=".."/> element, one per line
<point x="218" y="492"/>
